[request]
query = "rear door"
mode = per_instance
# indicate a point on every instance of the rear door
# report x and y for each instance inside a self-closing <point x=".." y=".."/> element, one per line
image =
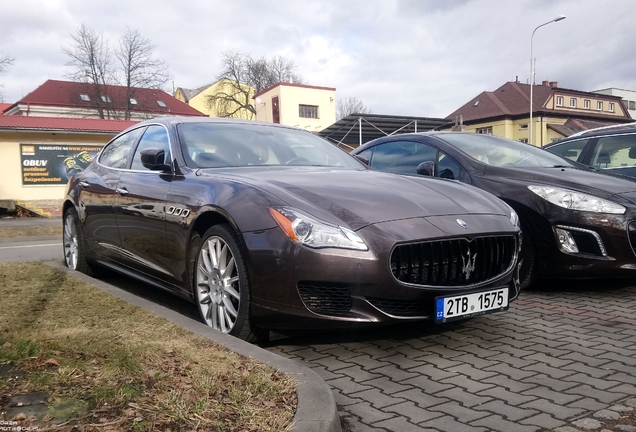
<point x="616" y="153"/>
<point x="98" y="195"/>
<point x="140" y="209"/>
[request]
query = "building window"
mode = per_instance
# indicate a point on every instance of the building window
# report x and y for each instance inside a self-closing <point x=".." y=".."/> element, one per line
<point x="85" y="97"/>
<point x="559" y="101"/>
<point x="586" y="104"/>
<point x="133" y="101"/>
<point x="611" y="107"/>
<point x="523" y="126"/>
<point x="572" y="102"/>
<point x="106" y="99"/>
<point x="599" y="106"/>
<point x="308" y="111"/>
<point x="632" y="105"/>
<point x="161" y="103"/>
<point x="524" y="140"/>
<point x="486" y="130"/>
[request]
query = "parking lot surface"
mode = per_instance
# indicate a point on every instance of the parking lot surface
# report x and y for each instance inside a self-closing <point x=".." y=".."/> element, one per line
<point x="561" y="358"/>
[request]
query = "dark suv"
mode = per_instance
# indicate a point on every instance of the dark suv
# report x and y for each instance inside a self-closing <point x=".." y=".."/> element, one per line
<point x="612" y="148"/>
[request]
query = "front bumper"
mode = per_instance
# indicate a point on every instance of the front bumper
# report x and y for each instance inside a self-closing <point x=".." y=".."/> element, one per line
<point x="294" y="286"/>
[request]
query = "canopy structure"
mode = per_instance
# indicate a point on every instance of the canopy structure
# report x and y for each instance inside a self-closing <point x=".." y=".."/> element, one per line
<point x="356" y="129"/>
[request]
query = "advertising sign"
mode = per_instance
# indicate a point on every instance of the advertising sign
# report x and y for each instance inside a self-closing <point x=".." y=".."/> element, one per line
<point x="54" y="164"/>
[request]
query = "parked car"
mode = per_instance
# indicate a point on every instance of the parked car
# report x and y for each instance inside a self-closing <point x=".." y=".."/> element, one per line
<point x="610" y="148"/>
<point x="260" y="237"/>
<point x="576" y="223"/>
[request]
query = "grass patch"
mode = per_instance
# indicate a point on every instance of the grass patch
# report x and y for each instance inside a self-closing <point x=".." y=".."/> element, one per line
<point x="31" y="231"/>
<point x="132" y="369"/>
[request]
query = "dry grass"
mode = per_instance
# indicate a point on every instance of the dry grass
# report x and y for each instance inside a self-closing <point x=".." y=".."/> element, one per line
<point x="132" y="369"/>
<point x="30" y="231"/>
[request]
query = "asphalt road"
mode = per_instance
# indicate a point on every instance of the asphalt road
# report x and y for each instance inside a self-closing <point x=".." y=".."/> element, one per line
<point x="562" y="358"/>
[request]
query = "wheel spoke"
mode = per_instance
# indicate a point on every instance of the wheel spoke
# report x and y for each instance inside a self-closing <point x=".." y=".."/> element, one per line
<point x="230" y="323"/>
<point x="229" y="268"/>
<point x="206" y="259"/>
<point x="206" y="299"/>
<point x="204" y="270"/>
<point x="223" y="259"/>
<point x="222" y="318"/>
<point x="231" y="291"/>
<point x="229" y="307"/>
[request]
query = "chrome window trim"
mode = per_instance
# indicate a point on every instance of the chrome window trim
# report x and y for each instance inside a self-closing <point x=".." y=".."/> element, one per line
<point x="172" y="153"/>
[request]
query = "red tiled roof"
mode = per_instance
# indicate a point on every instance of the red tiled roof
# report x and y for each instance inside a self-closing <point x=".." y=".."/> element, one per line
<point x="4" y="106"/>
<point x="64" y="124"/>
<point x="67" y="94"/>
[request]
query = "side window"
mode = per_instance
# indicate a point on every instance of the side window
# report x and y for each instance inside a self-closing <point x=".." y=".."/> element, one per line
<point x="367" y="154"/>
<point x="401" y="157"/>
<point x="615" y="152"/>
<point x="447" y="168"/>
<point x="571" y="150"/>
<point x="115" y="154"/>
<point x="154" y="137"/>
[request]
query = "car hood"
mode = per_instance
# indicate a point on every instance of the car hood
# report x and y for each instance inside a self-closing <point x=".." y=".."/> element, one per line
<point x="361" y="197"/>
<point x="601" y="184"/>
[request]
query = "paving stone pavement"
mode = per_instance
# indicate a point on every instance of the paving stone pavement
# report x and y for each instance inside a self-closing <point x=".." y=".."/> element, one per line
<point x="562" y="358"/>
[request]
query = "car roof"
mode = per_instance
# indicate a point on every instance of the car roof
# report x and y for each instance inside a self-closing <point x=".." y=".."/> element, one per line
<point x="175" y="120"/>
<point x="593" y="133"/>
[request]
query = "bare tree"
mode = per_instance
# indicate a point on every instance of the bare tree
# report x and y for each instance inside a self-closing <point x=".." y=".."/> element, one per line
<point x="5" y="62"/>
<point x="351" y="105"/>
<point x="89" y="56"/>
<point x="138" y="68"/>
<point x="242" y="76"/>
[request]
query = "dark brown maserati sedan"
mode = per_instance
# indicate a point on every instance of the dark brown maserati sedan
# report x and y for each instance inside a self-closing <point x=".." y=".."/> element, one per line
<point x="265" y="226"/>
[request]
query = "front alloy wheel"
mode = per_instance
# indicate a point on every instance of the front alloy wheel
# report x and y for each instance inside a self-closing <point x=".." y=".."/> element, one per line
<point x="218" y="285"/>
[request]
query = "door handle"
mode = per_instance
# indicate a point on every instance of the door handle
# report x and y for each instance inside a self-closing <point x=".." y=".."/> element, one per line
<point x="122" y="191"/>
<point x="84" y="184"/>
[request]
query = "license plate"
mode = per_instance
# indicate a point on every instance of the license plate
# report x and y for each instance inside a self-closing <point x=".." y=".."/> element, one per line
<point x="469" y="305"/>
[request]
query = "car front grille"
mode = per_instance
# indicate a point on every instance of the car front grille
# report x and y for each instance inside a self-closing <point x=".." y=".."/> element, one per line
<point x="456" y="262"/>
<point x="326" y="298"/>
<point x="402" y="308"/>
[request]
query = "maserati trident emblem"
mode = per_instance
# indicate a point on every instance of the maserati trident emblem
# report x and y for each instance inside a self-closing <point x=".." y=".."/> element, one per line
<point x="462" y="223"/>
<point x="469" y="266"/>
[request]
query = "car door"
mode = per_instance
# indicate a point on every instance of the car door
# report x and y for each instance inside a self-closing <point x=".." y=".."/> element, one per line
<point x="97" y="197"/>
<point x="140" y="209"/>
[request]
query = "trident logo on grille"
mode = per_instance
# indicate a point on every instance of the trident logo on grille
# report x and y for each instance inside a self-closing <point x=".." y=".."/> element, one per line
<point x="469" y="266"/>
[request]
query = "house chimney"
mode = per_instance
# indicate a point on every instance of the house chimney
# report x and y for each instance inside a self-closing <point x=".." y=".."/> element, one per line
<point x="545" y="83"/>
<point x="554" y="84"/>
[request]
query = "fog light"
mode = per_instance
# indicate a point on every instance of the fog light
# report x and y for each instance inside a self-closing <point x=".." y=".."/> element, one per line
<point x="565" y="241"/>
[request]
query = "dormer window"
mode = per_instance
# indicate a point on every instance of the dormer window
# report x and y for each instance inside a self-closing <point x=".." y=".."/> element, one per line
<point x="133" y="101"/>
<point x="106" y="99"/>
<point x="85" y="97"/>
<point x="559" y="101"/>
<point x="611" y="107"/>
<point x="161" y="103"/>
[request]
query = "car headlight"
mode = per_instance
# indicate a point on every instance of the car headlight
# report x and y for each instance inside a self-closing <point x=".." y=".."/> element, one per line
<point x="311" y="232"/>
<point x="576" y="201"/>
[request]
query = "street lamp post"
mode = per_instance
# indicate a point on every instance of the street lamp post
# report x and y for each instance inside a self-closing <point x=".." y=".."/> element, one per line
<point x="559" y="18"/>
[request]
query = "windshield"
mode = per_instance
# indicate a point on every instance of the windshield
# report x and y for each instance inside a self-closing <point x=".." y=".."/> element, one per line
<point x="216" y="145"/>
<point x="502" y="152"/>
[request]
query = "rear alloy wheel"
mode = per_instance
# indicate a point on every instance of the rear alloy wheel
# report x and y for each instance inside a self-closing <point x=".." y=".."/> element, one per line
<point x="75" y="246"/>
<point x="222" y="286"/>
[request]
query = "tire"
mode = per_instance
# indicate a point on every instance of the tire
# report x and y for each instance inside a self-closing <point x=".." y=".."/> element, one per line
<point x="220" y="284"/>
<point x="74" y="245"/>
<point x="528" y="257"/>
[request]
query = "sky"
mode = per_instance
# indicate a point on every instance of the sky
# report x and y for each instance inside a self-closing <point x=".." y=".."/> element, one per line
<point x="399" y="57"/>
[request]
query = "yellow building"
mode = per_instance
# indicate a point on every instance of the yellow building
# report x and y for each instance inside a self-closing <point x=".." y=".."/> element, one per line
<point x="306" y="107"/>
<point x="557" y="112"/>
<point x="40" y="154"/>
<point x="232" y="96"/>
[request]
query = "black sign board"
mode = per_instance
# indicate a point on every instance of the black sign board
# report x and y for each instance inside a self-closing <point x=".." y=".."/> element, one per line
<point x="54" y="164"/>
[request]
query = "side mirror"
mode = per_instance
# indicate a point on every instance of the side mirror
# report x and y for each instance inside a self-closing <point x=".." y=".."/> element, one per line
<point x="426" y="168"/>
<point x="154" y="159"/>
<point x="362" y="159"/>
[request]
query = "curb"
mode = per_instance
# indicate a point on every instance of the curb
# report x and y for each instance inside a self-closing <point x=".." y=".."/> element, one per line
<point x="316" y="409"/>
